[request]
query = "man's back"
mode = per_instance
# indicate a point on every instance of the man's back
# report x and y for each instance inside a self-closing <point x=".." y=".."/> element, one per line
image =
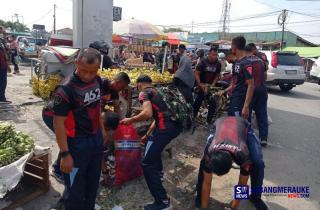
<point x="258" y="72"/>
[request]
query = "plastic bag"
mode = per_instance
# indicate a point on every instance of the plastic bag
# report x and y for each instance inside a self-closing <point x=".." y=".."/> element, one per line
<point x="127" y="153"/>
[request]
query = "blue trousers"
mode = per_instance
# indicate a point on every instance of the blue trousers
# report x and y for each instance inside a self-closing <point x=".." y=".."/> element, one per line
<point x="254" y="146"/>
<point x="152" y="163"/>
<point x="259" y="106"/>
<point x="3" y="84"/>
<point x="82" y="183"/>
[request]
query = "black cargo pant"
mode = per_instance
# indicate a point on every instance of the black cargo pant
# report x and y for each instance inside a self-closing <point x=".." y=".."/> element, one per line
<point x="82" y="183"/>
<point x="198" y="102"/>
<point x="152" y="163"/>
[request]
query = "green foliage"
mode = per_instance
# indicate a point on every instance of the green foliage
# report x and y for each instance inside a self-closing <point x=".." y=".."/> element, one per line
<point x="14" y="26"/>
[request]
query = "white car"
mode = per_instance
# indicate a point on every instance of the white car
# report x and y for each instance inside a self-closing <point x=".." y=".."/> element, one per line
<point x="315" y="71"/>
<point x="285" y="70"/>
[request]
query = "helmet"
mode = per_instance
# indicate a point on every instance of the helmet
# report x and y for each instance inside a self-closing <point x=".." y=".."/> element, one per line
<point x="222" y="55"/>
<point x="101" y="46"/>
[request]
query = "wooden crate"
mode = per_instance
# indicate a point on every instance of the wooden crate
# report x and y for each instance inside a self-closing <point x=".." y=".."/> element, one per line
<point x="35" y="182"/>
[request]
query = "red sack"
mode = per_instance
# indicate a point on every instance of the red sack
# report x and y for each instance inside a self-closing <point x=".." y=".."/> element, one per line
<point x="127" y="153"/>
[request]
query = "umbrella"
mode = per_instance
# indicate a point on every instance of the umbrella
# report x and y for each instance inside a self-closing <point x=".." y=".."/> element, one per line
<point x="138" y="29"/>
<point x="116" y="39"/>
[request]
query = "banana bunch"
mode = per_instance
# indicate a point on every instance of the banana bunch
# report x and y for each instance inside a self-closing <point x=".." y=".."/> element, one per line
<point x="44" y="87"/>
<point x="53" y="82"/>
<point x="35" y="85"/>
<point x="156" y="77"/>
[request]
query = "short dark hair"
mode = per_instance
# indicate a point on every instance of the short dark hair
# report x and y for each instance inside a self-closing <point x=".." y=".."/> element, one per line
<point x="144" y="79"/>
<point x="213" y="49"/>
<point x="182" y="46"/>
<point x="123" y="77"/>
<point x="90" y="54"/>
<point x="220" y="162"/>
<point x="239" y="42"/>
<point x="111" y="120"/>
<point x="248" y="48"/>
<point x="252" y="45"/>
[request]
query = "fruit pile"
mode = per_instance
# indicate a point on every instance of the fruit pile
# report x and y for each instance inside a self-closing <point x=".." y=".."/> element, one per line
<point x="13" y="144"/>
<point x="44" y="87"/>
<point x="156" y="77"/>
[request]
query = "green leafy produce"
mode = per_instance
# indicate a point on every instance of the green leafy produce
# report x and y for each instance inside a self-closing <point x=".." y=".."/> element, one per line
<point x="13" y="144"/>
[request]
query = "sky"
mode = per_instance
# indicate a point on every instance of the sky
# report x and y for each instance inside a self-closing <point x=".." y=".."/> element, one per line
<point x="183" y="13"/>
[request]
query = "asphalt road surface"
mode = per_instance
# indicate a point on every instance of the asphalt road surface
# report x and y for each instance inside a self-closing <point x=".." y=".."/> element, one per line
<point x="292" y="157"/>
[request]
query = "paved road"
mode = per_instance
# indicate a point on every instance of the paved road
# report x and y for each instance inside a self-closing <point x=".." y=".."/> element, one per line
<point x="292" y="158"/>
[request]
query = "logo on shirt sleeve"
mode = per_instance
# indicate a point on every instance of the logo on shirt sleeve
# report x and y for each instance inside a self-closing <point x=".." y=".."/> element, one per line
<point x="249" y="69"/>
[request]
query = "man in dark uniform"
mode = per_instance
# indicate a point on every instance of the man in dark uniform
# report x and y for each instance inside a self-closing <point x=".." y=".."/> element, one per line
<point x="224" y="147"/>
<point x="78" y="128"/>
<point x="260" y="55"/>
<point x="3" y="67"/>
<point x="163" y="130"/>
<point x="242" y="88"/>
<point x="109" y="93"/>
<point x="260" y="95"/>
<point x="207" y="73"/>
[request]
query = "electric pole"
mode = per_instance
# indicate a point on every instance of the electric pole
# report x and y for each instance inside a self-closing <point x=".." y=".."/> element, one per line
<point x="281" y="21"/>
<point x="225" y="18"/>
<point x="54" y="18"/>
<point x="192" y="27"/>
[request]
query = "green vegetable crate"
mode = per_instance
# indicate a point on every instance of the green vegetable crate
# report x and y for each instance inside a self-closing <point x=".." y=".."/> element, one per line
<point x="34" y="183"/>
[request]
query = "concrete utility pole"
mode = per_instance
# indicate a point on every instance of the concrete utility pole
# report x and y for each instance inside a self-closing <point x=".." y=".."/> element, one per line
<point x="281" y="21"/>
<point x="54" y="18"/>
<point x="92" y="21"/>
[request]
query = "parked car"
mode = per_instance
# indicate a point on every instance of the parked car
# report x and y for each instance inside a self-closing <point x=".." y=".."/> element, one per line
<point x="285" y="70"/>
<point x="315" y="71"/>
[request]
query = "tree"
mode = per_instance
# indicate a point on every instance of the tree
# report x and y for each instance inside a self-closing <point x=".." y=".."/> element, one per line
<point x="14" y="26"/>
<point x="168" y="30"/>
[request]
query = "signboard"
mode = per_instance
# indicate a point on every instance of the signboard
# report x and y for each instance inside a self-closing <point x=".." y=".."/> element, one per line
<point x="38" y="27"/>
<point x="117" y="13"/>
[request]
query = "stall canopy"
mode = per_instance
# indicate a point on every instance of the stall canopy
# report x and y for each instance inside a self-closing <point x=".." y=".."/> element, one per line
<point x="138" y="29"/>
<point x="306" y="52"/>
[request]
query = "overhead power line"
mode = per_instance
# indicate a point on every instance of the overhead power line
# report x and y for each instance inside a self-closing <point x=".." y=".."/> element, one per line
<point x="305" y="14"/>
<point x="261" y="15"/>
<point x="43" y="16"/>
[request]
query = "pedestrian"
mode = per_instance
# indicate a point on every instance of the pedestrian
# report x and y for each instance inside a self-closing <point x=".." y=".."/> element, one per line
<point x="163" y="130"/>
<point x="207" y="74"/>
<point x="260" y="95"/>
<point x="240" y="103"/>
<point x="103" y="48"/>
<point x="260" y="55"/>
<point x="184" y="78"/>
<point x="14" y="47"/>
<point x="222" y="149"/>
<point x="78" y="131"/>
<point x="200" y="54"/>
<point x="3" y="67"/>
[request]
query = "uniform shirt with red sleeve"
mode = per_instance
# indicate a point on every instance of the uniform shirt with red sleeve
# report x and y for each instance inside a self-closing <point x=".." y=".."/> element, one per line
<point x="80" y="103"/>
<point x="241" y="72"/>
<point x="264" y="59"/>
<point x="258" y="70"/>
<point x="208" y="70"/>
<point x="230" y="135"/>
<point x="160" y="111"/>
